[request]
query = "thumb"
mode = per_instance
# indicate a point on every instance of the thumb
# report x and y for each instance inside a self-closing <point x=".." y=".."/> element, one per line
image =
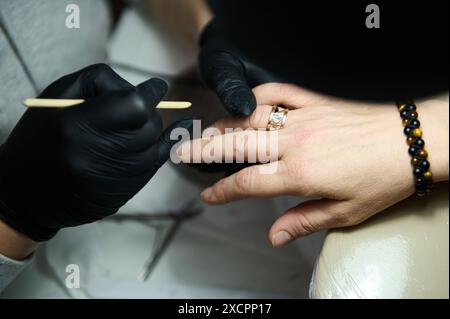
<point x="308" y="218"/>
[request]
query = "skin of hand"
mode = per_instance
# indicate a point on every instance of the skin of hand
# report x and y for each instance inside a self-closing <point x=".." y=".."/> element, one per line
<point x="14" y="244"/>
<point x="349" y="157"/>
<point x="71" y="166"/>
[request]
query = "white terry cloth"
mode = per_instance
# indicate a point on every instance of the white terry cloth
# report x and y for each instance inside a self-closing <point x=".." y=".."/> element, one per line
<point x="10" y="269"/>
<point x="223" y="253"/>
<point x="167" y="192"/>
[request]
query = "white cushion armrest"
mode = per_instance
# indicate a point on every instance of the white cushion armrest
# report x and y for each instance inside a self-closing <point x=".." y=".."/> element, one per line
<point x="400" y="253"/>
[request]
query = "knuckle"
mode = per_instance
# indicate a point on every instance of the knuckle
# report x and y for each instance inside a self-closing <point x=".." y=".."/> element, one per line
<point x="354" y="219"/>
<point x="243" y="180"/>
<point x="296" y="169"/>
<point x="342" y="218"/>
<point x="302" y="134"/>
<point x="257" y="118"/>
<point x="302" y="178"/>
<point x="303" y="225"/>
<point x="218" y="190"/>
<point x="347" y="217"/>
<point x="241" y="145"/>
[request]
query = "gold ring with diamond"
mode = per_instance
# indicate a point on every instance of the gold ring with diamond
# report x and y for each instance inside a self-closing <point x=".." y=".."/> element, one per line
<point x="277" y="118"/>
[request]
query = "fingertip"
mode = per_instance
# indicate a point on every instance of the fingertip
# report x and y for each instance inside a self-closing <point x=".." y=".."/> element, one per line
<point x="281" y="238"/>
<point x="206" y="195"/>
<point x="241" y="103"/>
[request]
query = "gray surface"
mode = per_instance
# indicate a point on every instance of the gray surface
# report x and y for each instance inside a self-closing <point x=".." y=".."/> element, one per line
<point x="49" y="49"/>
<point x="14" y="87"/>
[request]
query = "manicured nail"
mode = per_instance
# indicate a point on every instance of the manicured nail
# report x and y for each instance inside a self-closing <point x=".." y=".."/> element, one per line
<point x="207" y="194"/>
<point x="281" y="238"/>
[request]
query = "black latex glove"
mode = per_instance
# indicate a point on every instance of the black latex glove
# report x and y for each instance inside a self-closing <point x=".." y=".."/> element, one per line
<point x="225" y="71"/>
<point x="66" y="167"/>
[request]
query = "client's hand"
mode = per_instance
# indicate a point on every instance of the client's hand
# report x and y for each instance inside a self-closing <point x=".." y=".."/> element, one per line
<point x="71" y="166"/>
<point x="350" y="157"/>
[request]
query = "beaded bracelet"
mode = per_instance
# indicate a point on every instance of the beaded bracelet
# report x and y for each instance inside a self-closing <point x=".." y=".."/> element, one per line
<point x="421" y="166"/>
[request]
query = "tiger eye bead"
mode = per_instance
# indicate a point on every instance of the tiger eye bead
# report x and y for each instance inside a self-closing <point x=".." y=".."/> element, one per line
<point x="417" y="132"/>
<point x="401" y="107"/>
<point x="413" y="115"/>
<point x="410" y="140"/>
<point x="415" y="161"/>
<point x="428" y="175"/>
<point x="423" y="154"/>
<point x="405" y="122"/>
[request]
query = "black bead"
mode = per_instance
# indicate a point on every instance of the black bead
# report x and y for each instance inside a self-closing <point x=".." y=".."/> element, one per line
<point x="413" y="150"/>
<point x="404" y="114"/>
<point x="414" y="123"/>
<point x="421" y="188"/>
<point x="419" y="143"/>
<point x="408" y="130"/>
<point x="424" y="164"/>
<point x="418" y="172"/>
<point x="410" y="107"/>
<point x="411" y="115"/>
<point x="420" y="181"/>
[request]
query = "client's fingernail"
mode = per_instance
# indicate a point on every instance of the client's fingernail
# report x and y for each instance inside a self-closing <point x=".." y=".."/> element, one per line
<point x="184" y="152"/>
<point x="207" y="194"/>
<point x="281" y="238"/>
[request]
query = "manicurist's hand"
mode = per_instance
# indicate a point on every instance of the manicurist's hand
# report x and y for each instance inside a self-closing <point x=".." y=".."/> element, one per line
<point x="351" y="158"/>
<point x="227" y="73"/>
<point x="67" y="167"/>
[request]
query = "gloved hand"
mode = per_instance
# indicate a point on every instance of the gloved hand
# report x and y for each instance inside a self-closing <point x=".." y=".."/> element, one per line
<point x="67" y="167"/>
<point x="225" y="71"/>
